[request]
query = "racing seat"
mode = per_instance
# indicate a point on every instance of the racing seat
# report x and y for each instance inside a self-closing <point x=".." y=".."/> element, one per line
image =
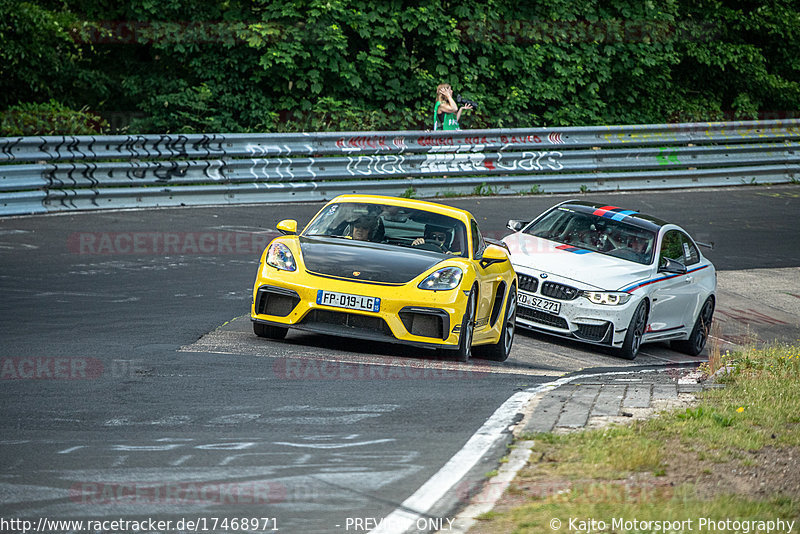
<point x="459" y="244"/>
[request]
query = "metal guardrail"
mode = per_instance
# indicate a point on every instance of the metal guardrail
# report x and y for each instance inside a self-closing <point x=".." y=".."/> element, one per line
<point x="44" y="174"/>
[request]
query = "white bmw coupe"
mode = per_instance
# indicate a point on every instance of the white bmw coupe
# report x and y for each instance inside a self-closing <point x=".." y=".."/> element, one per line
<point x="613" y="277"/>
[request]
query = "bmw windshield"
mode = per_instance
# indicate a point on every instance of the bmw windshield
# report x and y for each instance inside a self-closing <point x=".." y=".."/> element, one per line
<point x="596" y="233"/>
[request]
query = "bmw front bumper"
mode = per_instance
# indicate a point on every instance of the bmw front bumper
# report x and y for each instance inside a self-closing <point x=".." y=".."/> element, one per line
<point x="576" y="317"/>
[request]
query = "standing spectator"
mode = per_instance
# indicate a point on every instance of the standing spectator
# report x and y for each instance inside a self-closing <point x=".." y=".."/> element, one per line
<point x="446" y="112"/>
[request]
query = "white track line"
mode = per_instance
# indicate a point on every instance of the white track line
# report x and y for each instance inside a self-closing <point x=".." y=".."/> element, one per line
<point x="417" y="507"/>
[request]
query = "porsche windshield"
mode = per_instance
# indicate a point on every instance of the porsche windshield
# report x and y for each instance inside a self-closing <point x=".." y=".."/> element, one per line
<point x="393" y="225"/>
<point x="596" y="233"/>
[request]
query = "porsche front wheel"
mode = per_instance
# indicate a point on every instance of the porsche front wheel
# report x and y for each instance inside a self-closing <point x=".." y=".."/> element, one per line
<point x="499" y="351"/>
<point x="464" y="350"/>
<point x="269" y="331"/>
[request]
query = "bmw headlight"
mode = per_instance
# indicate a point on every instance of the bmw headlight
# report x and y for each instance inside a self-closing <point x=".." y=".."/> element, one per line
<point x="280" y="257"/>
<point x="608" y="298"/>
<point x="443" y="279"/>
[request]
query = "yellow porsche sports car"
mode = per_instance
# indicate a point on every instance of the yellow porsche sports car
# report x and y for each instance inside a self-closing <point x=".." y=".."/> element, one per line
<point x="389" y="269"/>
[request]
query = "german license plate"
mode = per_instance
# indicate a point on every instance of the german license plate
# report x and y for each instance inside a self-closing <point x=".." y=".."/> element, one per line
<point x="531" y="301"/>
<point x="350" y="302"/>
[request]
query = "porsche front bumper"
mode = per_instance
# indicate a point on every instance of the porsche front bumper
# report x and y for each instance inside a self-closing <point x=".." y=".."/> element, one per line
<point x="406" y="314"/>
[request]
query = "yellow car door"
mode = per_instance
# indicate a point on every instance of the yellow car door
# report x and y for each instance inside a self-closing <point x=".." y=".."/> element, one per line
<point x="489" y="276"/>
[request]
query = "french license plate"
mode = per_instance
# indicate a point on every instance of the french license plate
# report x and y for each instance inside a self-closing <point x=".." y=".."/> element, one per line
<point x="350" y="302"/>
<point x="531" y="301"/>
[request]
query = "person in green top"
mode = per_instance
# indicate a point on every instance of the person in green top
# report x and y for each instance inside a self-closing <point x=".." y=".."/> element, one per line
<point x="446" y="113"/>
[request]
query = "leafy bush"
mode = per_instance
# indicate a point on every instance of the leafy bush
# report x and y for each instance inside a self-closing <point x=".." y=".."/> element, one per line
<point x="49" y="118"/>
<point x="260" y="65"/>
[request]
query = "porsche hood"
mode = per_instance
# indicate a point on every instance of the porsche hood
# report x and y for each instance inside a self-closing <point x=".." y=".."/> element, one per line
<point x="574" y="264"/>
<point x="364" y="261"/>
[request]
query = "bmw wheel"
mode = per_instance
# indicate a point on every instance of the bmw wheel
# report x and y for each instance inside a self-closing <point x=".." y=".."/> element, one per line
<point x="499" y="351"/>
<point x="702" y="326"/>
<point x="635" y="333"/>
<point x="269" y="331"/>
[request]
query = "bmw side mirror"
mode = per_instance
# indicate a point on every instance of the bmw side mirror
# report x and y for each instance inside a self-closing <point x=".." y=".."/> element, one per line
<point x="671" y="267"/>
<point x="287" y="227"/>
<point x="515" y="225"/>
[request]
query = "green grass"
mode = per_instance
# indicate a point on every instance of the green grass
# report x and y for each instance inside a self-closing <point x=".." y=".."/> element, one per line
<point x="535" y="190"/>
<point x="681" y="509"/>
<point x="409" y="193"/>
<point x="484" y="190"/>
<point x="677" y="466"/>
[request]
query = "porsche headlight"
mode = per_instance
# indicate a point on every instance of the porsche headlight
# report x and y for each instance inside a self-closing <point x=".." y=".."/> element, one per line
<point x="608" y="298"/>
<point x="280" y="257"/>
<point x="443" y="279"/>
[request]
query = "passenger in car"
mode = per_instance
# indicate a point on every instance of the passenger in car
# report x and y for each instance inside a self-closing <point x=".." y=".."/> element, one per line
<point x="577" y="231"/>
<point x="366" y="228"/>
<point x="639" y="246"/>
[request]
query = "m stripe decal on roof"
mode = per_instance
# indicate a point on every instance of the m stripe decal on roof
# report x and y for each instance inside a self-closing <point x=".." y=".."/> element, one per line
<point x="622" y="214"/>
<point x="614" y="213"/>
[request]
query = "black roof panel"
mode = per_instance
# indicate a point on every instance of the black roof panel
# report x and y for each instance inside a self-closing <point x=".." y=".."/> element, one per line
<point x="612" y="212"/>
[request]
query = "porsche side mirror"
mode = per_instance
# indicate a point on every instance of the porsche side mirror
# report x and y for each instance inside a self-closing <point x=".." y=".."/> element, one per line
<point x="493" y="254"/>
<point x="287" y="227"/>
<point x="495" y="242"/>
<point x="515" y="225"/>
<point x="671" y="267"/>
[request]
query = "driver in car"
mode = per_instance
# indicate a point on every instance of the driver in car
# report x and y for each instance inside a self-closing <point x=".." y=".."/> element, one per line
<point x="436" y="235"/>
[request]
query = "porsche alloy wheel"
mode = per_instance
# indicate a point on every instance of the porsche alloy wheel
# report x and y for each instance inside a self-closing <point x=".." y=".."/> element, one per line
<point x="702" y="326"/>
<point x="499" y="351"/>
<point x="635" y="333"/>
<point x="269" y="331"/>
<point x="464" y="350"/>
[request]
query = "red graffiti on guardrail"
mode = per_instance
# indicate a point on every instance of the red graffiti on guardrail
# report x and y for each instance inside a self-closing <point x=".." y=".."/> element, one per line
<point x="370" y="142"/>
<point x="430" y="140"/>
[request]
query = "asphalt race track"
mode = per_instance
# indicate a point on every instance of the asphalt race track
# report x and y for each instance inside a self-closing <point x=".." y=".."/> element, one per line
<point x="133" y="387"/>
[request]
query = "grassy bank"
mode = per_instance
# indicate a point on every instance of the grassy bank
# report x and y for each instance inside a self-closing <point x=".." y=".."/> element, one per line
<point x="735" y="456"/>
